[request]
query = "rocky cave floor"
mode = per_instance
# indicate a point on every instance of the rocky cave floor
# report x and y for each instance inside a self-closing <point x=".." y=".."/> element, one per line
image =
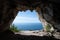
<point x="32" y="37"/>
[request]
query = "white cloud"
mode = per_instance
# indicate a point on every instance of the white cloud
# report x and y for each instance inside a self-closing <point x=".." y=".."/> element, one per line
<point x="20" y="19"/>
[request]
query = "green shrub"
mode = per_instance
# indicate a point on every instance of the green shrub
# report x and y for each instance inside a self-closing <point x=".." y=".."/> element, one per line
<point x="48" y="27"/>
<point x="14" y="28"/>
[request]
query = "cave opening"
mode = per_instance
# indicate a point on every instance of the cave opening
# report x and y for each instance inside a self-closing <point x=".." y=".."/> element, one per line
<point x="27" y="20"/>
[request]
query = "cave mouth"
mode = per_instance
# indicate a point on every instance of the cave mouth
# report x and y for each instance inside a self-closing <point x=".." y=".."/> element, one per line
<point x="27" y="21"/>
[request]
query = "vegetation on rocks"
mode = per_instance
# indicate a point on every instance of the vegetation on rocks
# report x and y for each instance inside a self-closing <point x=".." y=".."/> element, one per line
<point x="48" y="27"/>
<point x="14" y="28"/>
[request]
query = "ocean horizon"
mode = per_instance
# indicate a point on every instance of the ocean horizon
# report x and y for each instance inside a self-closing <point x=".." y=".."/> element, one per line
<point x="29" y="26"/>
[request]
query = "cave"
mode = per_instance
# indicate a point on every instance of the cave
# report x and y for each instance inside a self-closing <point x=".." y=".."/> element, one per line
<point x="48" y="11"/>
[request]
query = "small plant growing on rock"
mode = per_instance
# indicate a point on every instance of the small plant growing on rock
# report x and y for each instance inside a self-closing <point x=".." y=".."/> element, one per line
<point x="14" y="28"/>
<point x="48" y="27"/>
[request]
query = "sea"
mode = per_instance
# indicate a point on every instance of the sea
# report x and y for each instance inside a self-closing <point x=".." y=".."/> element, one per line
<point x="29" y="26"/>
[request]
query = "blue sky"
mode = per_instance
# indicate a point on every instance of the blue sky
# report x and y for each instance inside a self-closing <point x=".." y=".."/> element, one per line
<point x="27" y="17"/>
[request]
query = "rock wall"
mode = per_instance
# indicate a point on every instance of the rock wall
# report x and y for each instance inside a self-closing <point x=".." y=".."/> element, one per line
<point x="9" y="8"/>
<point x="7" y="14"/>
